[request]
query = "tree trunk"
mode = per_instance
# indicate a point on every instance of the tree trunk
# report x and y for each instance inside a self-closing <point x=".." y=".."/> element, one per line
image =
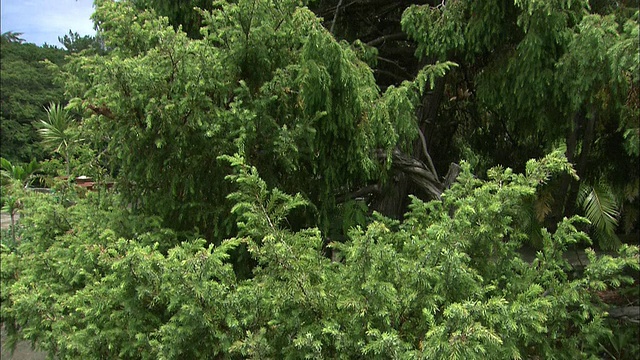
<point x="66" y="161"/>
<point x="13" y="226"/>
<point x="410" y="173"/>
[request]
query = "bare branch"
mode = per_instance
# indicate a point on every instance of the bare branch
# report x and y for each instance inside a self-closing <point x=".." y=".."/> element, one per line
<point x="382" y="39"/>
<point x="426" y="153"/>
<point x="627" y="313"/>
<point x="335" y="16"/>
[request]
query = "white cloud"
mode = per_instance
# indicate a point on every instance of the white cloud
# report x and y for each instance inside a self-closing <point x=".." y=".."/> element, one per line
<point x="43" y="21"/>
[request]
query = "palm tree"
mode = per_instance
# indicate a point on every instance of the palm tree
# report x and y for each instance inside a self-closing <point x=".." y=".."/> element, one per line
<point x="58" y="132"/>
<point x="14" y="176"/>
<point x="11" y="205"/>
<point x="12" y="37"/>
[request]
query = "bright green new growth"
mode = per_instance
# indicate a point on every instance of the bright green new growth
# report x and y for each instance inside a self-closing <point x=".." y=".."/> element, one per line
<point x="444" y="283"/>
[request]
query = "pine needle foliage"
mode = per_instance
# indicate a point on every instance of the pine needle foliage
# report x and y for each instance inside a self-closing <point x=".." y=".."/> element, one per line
<point x="447" y="282"/>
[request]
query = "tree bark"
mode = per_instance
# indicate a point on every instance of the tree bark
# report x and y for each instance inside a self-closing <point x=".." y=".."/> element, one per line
<point x="626" y="313"/>
<point x="410" y="173"/>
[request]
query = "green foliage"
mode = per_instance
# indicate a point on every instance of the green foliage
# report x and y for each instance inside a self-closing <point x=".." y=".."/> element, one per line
<point x="266" y="77"/>
<point x="22" y="174"/>
<point x="439" y="31"/>
<point x="91" y="281"/>
<point x="182" y="15"/>
<point x="27" y="87"/>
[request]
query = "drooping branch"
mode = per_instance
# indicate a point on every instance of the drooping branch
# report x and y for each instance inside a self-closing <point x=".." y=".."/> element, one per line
<point x="101" y="110"/>
<point x="395" y="65"/>
<point x="367" y="190"/>
<point x="389" y="74"/>
<point x="452" y="175"/>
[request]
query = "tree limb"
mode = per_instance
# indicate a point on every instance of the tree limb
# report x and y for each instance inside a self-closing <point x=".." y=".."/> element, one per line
<point x="371" y="189"/>
<point x="382" y="39"/>
<point x="426" y="153"/>
<point x="417" y="171"/>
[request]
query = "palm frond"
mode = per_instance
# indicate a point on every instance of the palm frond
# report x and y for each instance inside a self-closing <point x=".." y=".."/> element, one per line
<point x="542" y="205"/>
<point x="54" y="130"/>
<point x="601" y="207"/>
<point x="22" y="174"/>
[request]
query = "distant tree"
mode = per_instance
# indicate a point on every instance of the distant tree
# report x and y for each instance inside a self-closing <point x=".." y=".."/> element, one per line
<point x="20" y="174"/>
<point x="12" y="37"/>
<point x="27" y="86"/>
<point x="181" y="14"/>
<point x="74" y="43"/>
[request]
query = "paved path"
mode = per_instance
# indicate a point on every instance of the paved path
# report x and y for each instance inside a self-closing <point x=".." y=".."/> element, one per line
<point x="23" y="351"/>
<point x="5" y="220"/>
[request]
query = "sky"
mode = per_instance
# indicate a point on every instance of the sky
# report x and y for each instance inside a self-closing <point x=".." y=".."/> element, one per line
<point x="42" y="21"/>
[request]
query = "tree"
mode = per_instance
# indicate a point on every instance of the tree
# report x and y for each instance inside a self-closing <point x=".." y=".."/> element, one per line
<point x="444" y="283"/>
<point x="461" y="113"/>
<point x="304" y="107"/>
<point x="27" y="87"/>
<point x="12" y="37"/>
<point x="74" y="43"/>
<point x="536" y="75"/>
